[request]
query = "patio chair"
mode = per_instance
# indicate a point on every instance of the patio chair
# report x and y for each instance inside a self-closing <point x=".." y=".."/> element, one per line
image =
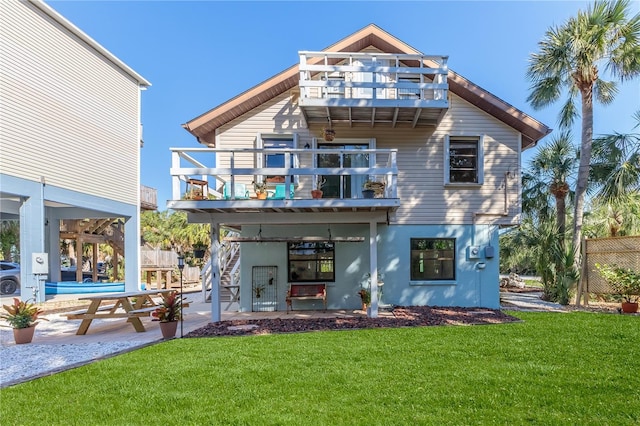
<point x="240" y="192"/>
<point x="279" y="193"/>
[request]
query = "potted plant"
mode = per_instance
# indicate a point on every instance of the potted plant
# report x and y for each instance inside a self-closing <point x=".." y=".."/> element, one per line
<point x="328" y="134"/>
<point x="23" y="318"/>
<point x="261" y="190"/>
<point x="258" y="291"/>
<point x="372" y="188"/>
<point x="623" y="281"/>
<point x="169" y="312"/>
<point x="365" y="295"/>
<point x="317" y="193"/>
<point x="199" y="249"/>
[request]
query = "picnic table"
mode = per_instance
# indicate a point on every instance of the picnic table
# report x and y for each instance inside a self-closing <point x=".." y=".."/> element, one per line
<point x="130" y="305"/>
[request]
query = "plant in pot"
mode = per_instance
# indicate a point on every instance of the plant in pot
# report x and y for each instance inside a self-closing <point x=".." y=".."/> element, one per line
<point x="199" y="249"/>
<point x="23" y="318"/>
<point x="623" y="281"/>
<point x="261" y="190"/>
<point x="328" y="134"/>
<point x="169" y="312"/>
<point x="317" y="193"/>
<point x="372" y="188"/>
<point x="365" y="295"/>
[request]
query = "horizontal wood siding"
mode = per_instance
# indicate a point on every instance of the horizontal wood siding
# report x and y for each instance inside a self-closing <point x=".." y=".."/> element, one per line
<point x="275" y="117"/>
<point x="424" y="197"/>
<point x="67" y="113"/>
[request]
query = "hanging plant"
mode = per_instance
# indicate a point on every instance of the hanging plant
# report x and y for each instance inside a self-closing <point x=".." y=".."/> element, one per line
<point x="328" y="134"/>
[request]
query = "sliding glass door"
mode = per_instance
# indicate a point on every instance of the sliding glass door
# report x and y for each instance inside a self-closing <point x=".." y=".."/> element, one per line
<point x="343" y="186"/>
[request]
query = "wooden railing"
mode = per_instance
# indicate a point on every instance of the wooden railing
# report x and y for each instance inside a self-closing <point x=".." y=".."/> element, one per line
<point x="385" y="79"/>
<point x="148" y="198"/>
<point x="301" y="170"/>
<point x="158" y="258"/>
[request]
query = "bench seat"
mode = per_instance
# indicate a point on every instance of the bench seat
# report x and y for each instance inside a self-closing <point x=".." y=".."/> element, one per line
<point x="306" y="291"/>
<point x="80" y="312"/>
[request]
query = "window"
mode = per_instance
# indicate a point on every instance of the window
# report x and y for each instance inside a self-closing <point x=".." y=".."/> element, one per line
<point x="276" y="160"/>
<point x="311" y="262"/>
<point x="433" y="259"/>
<point x="464" y="162"/>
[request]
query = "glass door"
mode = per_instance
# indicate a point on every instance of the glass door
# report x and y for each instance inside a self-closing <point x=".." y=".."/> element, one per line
<point x="343" y="186"/>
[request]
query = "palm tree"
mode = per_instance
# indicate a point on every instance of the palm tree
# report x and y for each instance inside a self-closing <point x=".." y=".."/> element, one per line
<point x="570" y="59"/>
<point x="553" y="166"/>
<point x="616" y="165"/>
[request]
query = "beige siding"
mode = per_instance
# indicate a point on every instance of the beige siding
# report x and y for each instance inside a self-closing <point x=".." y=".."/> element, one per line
<point x="68" y="114"/>
<point x="424" y="197"/>
<point x="275" y="117"/>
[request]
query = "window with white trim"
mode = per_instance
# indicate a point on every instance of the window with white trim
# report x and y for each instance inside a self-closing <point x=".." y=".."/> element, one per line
<point x="277" y="159"/>
<point x="433" y="259"/>
<point x="464" y="160"/>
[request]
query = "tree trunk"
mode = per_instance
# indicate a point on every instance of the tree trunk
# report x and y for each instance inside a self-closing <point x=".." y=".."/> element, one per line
<point x="562" y="215"/>
<point x="583" y="168"/>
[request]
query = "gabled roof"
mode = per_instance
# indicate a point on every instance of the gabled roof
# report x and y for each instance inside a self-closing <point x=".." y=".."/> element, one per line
<point x="203" y="127"/>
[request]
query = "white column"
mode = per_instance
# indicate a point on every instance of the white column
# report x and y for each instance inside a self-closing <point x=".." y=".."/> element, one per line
<point x="216" y="315"/>
<point x="373" y="268"/>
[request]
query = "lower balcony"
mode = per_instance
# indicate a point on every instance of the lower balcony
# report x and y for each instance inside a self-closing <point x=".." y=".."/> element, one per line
<point x="305" y="180"/>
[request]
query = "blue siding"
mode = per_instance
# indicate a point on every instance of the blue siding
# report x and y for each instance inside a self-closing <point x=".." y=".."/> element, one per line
<point x="472" y="286"/>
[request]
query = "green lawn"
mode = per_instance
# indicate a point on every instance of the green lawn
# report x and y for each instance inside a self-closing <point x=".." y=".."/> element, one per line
<point x="553" y="368"/>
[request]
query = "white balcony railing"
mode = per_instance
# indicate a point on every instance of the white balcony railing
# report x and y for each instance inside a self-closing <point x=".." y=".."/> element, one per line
<point x="362" y="79"/>
<point x="303" y="168"/>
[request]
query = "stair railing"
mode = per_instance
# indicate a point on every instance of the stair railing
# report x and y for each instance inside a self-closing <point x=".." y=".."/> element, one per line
<point x="225" y="256"/>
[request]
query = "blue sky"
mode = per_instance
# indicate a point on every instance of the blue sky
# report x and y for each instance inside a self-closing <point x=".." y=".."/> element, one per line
<point x="199" y="54"/>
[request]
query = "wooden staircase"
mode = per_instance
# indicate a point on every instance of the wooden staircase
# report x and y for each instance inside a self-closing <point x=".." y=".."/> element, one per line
<point x="229" y="259"/>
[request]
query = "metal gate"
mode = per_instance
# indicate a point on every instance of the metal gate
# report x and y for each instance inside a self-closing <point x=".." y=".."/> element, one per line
<point x="264" y="289"/>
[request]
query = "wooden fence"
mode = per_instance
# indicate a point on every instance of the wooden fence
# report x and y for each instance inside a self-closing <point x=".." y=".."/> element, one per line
<point x="620" y="251"/>
<point x="165" y="262"/>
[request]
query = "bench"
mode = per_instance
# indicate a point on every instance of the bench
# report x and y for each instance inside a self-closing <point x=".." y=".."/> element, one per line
<point x="306" y="291"/>
<point x="143" y="311"/>
<point x="79" y="313"/>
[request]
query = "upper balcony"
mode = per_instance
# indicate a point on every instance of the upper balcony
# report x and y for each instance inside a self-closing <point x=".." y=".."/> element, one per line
<point x="358" y="88"/>
<point x="148" y="198"/>
<point x="199" y="186"/>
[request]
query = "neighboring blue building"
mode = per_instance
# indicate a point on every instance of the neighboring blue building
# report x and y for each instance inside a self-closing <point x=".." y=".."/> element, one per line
<point x="441" y="154"/>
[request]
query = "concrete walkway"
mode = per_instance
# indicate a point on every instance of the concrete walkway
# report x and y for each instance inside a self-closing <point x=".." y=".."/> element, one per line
<point x="530" y="301"/>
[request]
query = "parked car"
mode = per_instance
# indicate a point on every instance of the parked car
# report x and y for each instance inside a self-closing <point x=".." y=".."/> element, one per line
<point x="9" y="277"/>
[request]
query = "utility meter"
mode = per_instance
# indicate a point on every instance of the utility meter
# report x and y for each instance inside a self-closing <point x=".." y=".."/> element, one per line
<point x="40" y="263"/>
<point x="473" y="252"/>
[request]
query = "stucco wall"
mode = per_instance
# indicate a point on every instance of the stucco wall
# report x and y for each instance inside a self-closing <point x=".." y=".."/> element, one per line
<point x="472" y="286"/>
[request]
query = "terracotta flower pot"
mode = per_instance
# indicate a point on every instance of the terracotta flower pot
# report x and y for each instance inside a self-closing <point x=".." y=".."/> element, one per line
<point x="168" y="329"/>
<point x="629" y="308"/>
<point x="316" y="193"/>
<point x="23" y="335"/>
<point x="262" y="195"/>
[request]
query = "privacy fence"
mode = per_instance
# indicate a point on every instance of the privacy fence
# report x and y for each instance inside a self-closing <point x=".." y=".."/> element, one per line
<point x="621" y="251"/>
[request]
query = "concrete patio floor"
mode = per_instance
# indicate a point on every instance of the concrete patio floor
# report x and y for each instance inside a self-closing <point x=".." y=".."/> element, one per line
<point x="58" y="330"/>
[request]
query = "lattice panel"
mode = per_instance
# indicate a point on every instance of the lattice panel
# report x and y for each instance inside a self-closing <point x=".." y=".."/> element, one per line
<point x="621" y="251"/>
<point x="264" y="286"/>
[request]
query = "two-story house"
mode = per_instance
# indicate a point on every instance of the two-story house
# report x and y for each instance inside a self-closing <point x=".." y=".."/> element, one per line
<point x="441" y="154"/>
<point x="70" y="136"/>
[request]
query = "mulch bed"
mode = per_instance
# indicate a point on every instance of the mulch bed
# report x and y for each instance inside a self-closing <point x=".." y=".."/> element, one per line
<point x="415" y="316"/>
